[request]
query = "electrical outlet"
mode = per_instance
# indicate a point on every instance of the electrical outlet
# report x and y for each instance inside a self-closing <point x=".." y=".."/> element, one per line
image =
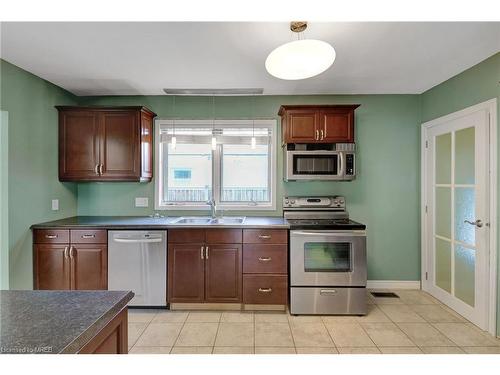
<point x="141" y="202"/>
<point x="55" y="204"/>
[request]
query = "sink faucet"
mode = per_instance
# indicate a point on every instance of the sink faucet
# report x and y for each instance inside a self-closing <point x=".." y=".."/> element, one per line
<point x="213" y="207"/>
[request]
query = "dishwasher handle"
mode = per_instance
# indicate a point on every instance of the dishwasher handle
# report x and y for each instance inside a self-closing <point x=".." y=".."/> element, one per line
<point x="138" y="240"/>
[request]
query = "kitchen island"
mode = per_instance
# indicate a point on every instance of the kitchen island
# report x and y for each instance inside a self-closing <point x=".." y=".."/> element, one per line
<point x="44" y="322"/>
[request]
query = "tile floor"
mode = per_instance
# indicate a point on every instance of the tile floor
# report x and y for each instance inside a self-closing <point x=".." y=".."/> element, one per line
<point x="416" y="323"/>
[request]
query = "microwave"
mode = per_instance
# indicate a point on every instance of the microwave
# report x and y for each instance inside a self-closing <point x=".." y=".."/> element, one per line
<point x="319" y="165"/>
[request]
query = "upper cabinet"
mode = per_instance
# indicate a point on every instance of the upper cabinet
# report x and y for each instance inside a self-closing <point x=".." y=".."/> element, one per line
<point x="317" y="123"/>
<point x="105" y="143"/>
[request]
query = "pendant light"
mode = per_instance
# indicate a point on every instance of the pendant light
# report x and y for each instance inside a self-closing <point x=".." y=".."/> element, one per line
<point x="214" y="140"/>
<point x="253" y="145"/>
<point x="300" y="59"/>
<point x="173" y="143"/>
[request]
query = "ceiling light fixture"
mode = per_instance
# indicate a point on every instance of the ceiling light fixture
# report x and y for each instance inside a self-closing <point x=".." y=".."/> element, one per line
<point x="173" y="140"/>
<point x="300" y="59"/>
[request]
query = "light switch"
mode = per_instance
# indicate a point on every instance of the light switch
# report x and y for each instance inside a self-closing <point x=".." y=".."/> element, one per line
<point x="55" y="204"/>
<point x="141" y="202"/>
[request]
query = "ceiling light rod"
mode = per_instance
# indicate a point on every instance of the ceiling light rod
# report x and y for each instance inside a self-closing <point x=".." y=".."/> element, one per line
<point x="215" y="92"/>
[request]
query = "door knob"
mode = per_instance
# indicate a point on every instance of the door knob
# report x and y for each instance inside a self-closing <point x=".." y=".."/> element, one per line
<point x="478" y="223"/>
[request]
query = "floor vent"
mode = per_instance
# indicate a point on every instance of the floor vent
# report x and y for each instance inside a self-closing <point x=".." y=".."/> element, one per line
<point x="384" y="295"/>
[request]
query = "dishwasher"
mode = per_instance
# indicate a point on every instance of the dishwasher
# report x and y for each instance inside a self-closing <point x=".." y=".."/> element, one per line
<point x="137" y="261"/>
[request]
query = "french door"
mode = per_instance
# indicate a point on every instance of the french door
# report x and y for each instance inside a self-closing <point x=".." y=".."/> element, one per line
<point x="457" y="218"/>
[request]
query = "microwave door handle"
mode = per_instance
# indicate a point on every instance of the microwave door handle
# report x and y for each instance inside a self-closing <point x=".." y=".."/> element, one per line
<point x="341" y="162"/>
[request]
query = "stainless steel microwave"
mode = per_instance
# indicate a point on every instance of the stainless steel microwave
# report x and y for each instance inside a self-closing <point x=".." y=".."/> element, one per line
<point x="319" y="165"/>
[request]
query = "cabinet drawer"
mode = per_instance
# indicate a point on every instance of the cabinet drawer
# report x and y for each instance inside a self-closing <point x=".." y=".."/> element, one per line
<point x="51" y="236"/>
<point x="186" y="235"/>
<point x="265" y="289"/>
<point x="223" y="236"/>
<point x="259" y="258"/>
<point x="278" y="236"/>
<point x="89" y="236"/>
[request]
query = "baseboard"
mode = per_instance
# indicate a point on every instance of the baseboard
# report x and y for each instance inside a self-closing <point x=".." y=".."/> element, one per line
<point x="393" y="284"/>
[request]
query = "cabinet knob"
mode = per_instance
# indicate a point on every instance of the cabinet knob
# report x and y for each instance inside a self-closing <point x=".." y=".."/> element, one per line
<point x="264" y="236"/>
<point x="100" y="169"/>
<point x="264" y="259"/>
<point x="51" y="236"/>
<point x="96" y="169"/>
<point x="265" y="290"/>
<point x="87" y="236"/>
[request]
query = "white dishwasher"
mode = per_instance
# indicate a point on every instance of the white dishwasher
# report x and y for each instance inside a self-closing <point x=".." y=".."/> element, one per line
<point x="137" y="261"/>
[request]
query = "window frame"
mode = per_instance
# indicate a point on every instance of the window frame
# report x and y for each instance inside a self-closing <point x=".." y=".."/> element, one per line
<point x="216" y="166"/>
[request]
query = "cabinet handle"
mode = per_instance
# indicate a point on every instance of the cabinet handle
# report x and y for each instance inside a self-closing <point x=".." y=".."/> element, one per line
<point x="71" y="248"/>
<point x="317" y="134"/>
<point x="51" y="236"/>
<point x="100" y="169"/>
<point x="201" y="252"/>
<point x="206" y="252"/>
<point x="266" y="259"/>
<point x="96" y="169"/>
<point x="87" y="236"/>
<point x="264" y="236"/>
<point x="265" y="290"/>
<point x="65" y="252"/>
<point x="322" y="134"/>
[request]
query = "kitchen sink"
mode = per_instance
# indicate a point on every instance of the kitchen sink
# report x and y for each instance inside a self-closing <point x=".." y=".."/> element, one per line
<point x="225" y="220"/>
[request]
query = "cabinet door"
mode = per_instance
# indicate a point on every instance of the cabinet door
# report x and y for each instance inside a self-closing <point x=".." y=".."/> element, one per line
<point x="120" y="153"/>
<point x="301" y="126"/>
<point x="52" y="267"/>
<point x="78" y="145"/>
<point x="146" y="146"/>
<point x="186" y="272"/>
<point x="223" y="273"/>
<point x="337" y="126"/>
<point x="89" y="265"/>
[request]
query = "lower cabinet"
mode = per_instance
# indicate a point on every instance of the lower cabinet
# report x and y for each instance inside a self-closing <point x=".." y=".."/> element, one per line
<point x="186" y="273"/>
<point x="64" y="264"/>
<point x="223" y="273"/>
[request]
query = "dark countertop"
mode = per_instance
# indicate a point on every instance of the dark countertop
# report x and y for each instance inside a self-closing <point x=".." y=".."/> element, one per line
<point x="146" y="222"/>
<point x="35" y="321"/>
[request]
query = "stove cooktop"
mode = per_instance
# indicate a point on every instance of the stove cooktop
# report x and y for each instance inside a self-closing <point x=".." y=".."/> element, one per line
<point x="326" y="224"/>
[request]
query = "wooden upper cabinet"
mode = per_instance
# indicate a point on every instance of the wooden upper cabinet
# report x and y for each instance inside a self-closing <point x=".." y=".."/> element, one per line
<point x="317" y="123"/>
<point x="105" y="143"/>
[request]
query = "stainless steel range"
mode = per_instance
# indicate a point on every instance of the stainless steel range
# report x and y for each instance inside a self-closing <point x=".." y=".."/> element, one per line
<point x="327" y="257"/>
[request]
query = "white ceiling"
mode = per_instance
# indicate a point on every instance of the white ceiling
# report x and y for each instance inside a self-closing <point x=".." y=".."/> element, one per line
<point x="143" y="58"/>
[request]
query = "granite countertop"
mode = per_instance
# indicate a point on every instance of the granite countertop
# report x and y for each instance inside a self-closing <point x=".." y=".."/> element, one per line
<point x="146" y="222"/>
<point x="34" y="321"/>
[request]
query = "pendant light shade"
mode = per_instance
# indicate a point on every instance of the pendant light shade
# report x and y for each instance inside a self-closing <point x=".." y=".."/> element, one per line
<point x="300" y="59"/>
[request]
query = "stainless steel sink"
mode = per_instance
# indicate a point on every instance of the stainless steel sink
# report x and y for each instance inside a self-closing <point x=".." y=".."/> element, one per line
<point x="228" y="220"/>
<point x="192" y="220"/>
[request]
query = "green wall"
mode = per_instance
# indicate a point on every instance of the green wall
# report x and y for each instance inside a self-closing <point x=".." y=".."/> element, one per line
<point x="4" y="200"/>
<point x="33" y="180"/>
<point x="385" y="192"/>
<point x="473" y="86"/>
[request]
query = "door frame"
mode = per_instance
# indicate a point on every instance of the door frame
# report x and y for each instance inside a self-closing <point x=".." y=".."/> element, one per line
<point x="491" y="107"/>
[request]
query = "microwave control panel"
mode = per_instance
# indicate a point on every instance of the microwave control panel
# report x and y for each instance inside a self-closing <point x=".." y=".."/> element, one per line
<point x="349" y="164"/>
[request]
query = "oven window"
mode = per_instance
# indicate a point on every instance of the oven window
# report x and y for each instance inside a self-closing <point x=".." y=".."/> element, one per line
<point x="327" y="257"/>
<point x="315" y="164"/>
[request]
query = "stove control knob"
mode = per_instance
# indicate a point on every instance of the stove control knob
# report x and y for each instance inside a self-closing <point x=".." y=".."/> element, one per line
<point x="287" y="201"/>
<point x="292" y="202"/>
<point x="341" y="202"/>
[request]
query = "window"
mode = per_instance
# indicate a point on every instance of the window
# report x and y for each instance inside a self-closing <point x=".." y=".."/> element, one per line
<point x="235" y="174"/>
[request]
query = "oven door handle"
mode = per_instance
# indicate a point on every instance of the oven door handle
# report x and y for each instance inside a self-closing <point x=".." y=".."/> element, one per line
<point x="354" y="233"/>
<point x="341" y="162"/>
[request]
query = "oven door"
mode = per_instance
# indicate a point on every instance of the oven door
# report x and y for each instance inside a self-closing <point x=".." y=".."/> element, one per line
<point x="314" y="165"/>
<point x="327" y="258"/>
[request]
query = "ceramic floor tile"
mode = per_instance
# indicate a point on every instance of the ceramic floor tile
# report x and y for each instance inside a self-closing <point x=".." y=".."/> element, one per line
<point x="374" y="315"/>
<point x="316" y="350"/>
<point x="304" y="319"/>
<point x="401" y="314"/>
<point x="273" y="334"/>
<point x="311" y="334"/>
<point x="159" y="334"/>
<point x="327" y="319"/>
<point x="134" y="331"/>
<point x="235" y="334"/>
<point x="481" y="349"/>
<point x="386" y="301"/>
<point x="368" y="350"/>
<point x="170" y="317"/>
<point x="349" y="335"/>
<point x="234" y="350"/>
<point x="403" y="350"/>
<point x="416" y="297"/>
<point x="386" y="334"/>
<point x="423" y="334"/>
<point x="191" y="350"/>
<point x="150" y="350"/>
<point x="435" y="314"/>
<point x="464" y="335"/>
<point x="442" y="350"/>
<point x="203" y="317"/>
<point x="271" y="317"/>
<point x="274" y="350"/>
<point x="141" y="315"/>
<point x="237" y="317"/>
<point x="197" y="334"/>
